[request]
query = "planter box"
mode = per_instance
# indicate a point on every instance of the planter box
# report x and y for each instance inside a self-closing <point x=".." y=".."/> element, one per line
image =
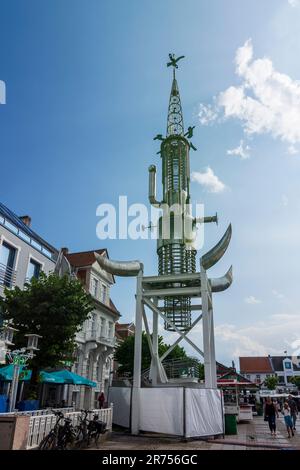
<point x="28" y="405"/>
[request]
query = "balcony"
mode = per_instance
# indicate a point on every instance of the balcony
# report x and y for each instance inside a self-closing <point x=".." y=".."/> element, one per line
<point x="108" y="341"/>
<point x="94" y="335"/>
<point x="7" y="276"/>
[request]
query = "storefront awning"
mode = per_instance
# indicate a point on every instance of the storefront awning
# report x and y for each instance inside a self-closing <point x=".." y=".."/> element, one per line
<point x="64" y="377"/>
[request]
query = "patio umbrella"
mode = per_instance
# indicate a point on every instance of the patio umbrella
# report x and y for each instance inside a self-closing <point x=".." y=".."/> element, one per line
<point x="7" y="372"/>
<point x="65" y="377"/>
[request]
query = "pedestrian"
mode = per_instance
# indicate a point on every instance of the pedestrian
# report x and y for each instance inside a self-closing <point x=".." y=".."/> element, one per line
<point x="270" y="415"/>
<point x="294" y="410"/>
<point x="288" y="419"/>
<point x="101" y="400"/>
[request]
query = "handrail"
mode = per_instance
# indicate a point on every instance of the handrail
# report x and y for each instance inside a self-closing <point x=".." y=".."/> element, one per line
<point x="7" y="275"/>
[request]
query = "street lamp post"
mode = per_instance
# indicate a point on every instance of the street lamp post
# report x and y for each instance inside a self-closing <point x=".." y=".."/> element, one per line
<point x="18" y="358"/>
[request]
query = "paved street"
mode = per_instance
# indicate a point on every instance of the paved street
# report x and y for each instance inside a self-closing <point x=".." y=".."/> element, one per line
<point x="251" y="436"/>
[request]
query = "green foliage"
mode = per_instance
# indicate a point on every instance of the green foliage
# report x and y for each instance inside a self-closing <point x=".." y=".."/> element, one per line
<point x="201" y="370"/>
<point x="124" y="353"/>
<point x="271" y="383"/>
<point x="53" y="307"/>
<point x="296" y="381"/>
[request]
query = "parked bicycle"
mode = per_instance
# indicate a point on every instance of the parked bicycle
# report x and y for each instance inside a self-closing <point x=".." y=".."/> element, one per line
<point x="89" y="431"/>
<point x="61" y="437"/>
<point x="65" y="436"/>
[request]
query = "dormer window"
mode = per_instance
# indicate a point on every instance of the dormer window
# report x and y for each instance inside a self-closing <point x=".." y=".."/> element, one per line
<point x="287" y="365"/>
<point x="104" y="293"/>
<point x="94" y="287"/>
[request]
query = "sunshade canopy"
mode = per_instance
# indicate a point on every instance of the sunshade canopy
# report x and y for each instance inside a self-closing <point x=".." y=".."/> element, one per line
<point x="64" y="377"/>
<point x="7" y="372"/>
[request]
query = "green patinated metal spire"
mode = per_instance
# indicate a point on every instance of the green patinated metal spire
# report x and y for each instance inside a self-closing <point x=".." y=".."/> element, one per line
<point x="175" y="124"/>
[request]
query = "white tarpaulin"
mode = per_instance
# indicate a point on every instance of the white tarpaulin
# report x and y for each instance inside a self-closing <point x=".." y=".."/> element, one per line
<point x="120" y="397"/>
<point x="204" y="412"/>
<point x="162" y="410"/>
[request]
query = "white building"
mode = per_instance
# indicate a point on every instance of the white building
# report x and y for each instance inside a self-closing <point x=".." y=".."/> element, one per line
<point x="23" y="253"/>
<point x="96" y="340"/>
<point x="258" y="369"/>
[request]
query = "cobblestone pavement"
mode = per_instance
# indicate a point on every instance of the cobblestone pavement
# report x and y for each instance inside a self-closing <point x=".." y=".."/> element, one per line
<point x="251" y="436"/>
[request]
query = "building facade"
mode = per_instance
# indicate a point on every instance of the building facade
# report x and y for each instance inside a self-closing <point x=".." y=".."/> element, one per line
<point x="257" y="369"/>
<point x="96" y="339"/>
<point x="23" y="253"/>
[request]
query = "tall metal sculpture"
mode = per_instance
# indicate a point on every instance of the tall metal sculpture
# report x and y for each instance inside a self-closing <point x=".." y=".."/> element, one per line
<point x="169" y="295"/>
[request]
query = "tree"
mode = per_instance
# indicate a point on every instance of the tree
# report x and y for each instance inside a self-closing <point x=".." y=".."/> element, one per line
<point x="296" y="381"/>
<point x="53" y="307"/>
<point x="124" y="353"/>
<point x="271" y="383"/>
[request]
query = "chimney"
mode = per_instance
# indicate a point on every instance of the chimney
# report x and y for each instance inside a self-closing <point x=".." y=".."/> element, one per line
<point x="26" y="219"/>
<point x="65" y="251"/>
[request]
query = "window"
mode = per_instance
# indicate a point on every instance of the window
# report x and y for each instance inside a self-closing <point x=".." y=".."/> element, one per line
<point x="287" y="365"/>
<point x="110" y="329"/>
<point x="7" y="262"/>
<point x="95" y="284"/>
<point x="100" y="326"/>
<point x="103" y="293"/>
<point x="33" y="270"/>
<point x="94" y="325"/>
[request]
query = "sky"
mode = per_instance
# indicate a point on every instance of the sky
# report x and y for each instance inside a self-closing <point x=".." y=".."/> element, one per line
<point x="87" y="89"/>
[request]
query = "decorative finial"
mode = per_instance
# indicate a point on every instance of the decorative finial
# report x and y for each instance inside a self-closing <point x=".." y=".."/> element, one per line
<point x="173" y="61"/>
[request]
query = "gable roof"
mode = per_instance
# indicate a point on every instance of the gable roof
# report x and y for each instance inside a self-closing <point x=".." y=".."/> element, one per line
<point x="233" y="375"/>
<point x="277" y="362"/>
<point x="84" y="258"/>
<point x="255" y="365"/>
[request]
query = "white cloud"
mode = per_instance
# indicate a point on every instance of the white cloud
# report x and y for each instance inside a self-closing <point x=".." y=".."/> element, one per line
<point x="252" y="300"/>
<point x="241" y="151"/>
<point x="273" y="336"/>
<point x="292" y="150"/>
<point x="266" y="101"/>
<point x="294" y="3"/>
<point x="278" y="295"/>
<point x="208" y="113"/>
<point x="209" y="180"/>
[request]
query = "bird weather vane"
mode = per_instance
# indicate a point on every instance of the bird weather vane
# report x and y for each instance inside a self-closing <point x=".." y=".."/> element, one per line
<point x="174" y="60"/>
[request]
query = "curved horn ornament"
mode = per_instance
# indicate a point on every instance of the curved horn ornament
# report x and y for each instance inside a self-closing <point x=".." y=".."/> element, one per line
<point x="215" y="254"/>
<point x="119" y="268"/>
<point x="220" y="284"/>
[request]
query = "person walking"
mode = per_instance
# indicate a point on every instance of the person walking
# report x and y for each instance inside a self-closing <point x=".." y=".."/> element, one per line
<point x="101" y="400"/>
<point x="294" y="410"/>
<point x="270" y="415"/>
<point x="288" y="419"/>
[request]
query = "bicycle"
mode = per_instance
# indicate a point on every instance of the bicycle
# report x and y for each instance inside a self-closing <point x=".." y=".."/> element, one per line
<point x="61" y="437"/>
<point x="95" y="429"/>
<point x="89" y="430"/>
<point x="49" y="442"/>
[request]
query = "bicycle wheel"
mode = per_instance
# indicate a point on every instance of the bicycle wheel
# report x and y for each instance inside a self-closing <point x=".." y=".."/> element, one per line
<point x="48" y="443"/>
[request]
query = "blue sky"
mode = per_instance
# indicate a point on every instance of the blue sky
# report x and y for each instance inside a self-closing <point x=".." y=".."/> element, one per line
<point x="87" y="89"/>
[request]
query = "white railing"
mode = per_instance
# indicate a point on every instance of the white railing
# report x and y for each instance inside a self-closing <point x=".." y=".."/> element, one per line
<point x="40" y="426"/>
<point x="46" y="411"/>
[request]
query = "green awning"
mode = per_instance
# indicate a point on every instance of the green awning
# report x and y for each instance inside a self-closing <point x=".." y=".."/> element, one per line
<point x="7" y="372"/>
<point x="64" y="377"/>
